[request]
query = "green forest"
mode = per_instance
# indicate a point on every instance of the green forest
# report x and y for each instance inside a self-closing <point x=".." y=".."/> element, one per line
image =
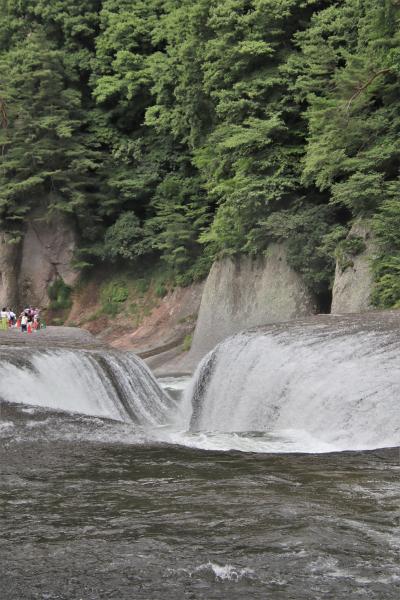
<point x="184" y="130"/>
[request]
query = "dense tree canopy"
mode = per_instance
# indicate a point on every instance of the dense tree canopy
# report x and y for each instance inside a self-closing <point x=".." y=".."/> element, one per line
<point x="187" y="129"/>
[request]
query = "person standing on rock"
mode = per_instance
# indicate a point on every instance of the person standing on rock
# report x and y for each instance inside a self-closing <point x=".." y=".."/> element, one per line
<point x="3" y="319"/>
<point x="12" y="318"/>
<point x="36" y="320"/>
<point x="28" y="312"/>
<point x="24" y="323"/>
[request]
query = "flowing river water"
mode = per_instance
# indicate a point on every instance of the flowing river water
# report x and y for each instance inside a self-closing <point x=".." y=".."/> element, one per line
<point x="274" y="474"/>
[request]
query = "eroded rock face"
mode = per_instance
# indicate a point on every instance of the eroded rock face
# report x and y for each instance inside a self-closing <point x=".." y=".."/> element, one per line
<point x="47" y="251"/>
<point x="353" y="285"/>
<point x="28" y="268"/>
<point x="167" y="325"/>
<point x="9" y="266"/>
<point x="242" y="293"/>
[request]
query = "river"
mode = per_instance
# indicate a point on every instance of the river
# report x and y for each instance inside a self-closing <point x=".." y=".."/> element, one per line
<point x="98" y="506"/>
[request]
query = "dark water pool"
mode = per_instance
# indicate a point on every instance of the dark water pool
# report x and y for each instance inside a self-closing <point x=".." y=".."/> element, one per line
<point x="85" y="516"/>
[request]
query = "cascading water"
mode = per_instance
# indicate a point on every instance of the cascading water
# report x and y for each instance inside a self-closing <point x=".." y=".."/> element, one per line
<point x="326" y="384"/>
<point x="314" y="387"/>
<point x="94" y="506"/>
<point x="98" y="383"/>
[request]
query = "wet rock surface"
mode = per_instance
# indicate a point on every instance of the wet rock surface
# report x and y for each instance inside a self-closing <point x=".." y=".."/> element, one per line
<point x="50" y="337"/>
<point x="9" y="264"/>
<point x="46" y="255"/>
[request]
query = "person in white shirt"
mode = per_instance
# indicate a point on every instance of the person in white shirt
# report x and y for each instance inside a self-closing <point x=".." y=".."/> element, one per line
<point x="3" y="319"/>
<point x="24" y="323"/>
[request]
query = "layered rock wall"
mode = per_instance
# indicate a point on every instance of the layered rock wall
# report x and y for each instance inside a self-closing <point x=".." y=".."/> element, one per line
<point x="30" y="267"/>
<point x="353" y="284"/>
<point x="245" y="292"/>
<point x="47" y="251"/>
<point x="10" y="253"/>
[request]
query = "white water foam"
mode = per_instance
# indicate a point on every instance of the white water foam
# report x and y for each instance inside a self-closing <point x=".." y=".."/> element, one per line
<point x="101" y="384"/>
<point x="310" y="393"/>
<point x="220" y="573"/>
<point x="276" y="391"/>
<point x="60" y="380"/>
<point x="178" y="384"/>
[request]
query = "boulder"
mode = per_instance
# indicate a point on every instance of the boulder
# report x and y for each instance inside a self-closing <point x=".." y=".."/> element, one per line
<point x="245" y="292"/>
<point x="353" y="281"/>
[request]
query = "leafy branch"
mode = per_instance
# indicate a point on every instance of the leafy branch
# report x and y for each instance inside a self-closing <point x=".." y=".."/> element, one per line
<point x="365" y="85"/>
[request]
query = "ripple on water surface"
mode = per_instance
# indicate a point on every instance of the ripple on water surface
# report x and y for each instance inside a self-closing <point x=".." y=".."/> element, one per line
<point x="86" y="516"/>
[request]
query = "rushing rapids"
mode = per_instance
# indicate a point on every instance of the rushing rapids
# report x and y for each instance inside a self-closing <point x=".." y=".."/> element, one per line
<point x="325" y="384"/>
<point x="318" y="385"/>
<point x="105" y="494"/>
<point x="99" y="383"/>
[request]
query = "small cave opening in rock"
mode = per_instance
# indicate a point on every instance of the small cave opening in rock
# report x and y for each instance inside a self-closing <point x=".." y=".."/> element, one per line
<point x="324" y="302"/>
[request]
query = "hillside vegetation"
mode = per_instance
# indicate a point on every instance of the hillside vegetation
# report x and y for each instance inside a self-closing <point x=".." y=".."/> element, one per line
<point x="183" y="130"/>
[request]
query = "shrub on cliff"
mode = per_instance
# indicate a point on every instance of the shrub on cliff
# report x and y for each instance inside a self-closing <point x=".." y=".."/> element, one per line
<point x="126" y="239"/>
<point x="60" y="295"/>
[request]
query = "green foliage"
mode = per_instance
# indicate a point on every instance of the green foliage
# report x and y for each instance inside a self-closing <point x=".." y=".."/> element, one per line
<point x="311" y="238"/>
<point x="114" y="292"/>
<point x="131" y="295"/>
<point x="251" y="161"/>
<point x="161" y="289"/>
<point x="125" y="239"/>
<point x="142" y="285"/>
<point x="94" y="316"/>
<point x="187" y="342"/>
<point x="387" y="288"/>
<point x="347" y="74"/>
<point x="386" y="224"/>
<point x="48" y="151"/>
<point x="181" y="214"/>
<point x="386" y="266"/>
<point x="183" y="130"/>
<point x="112" y="297"/>
<point x="60" y="295"/>
<point x="347" y="249"/>
<point x="111" y="309"/>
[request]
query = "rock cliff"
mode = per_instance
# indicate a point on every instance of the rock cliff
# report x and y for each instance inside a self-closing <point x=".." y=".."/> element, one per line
<point x="353" y="280"/>
<point x="239" y="293"/>
<point x="165" y="329"/>
<point x="29" y="267"/>
<point x="244" y="292"/>
<point x="9" y="266"/>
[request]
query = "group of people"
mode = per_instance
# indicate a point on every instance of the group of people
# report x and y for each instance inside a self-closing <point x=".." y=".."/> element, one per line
<point x="28" y="321"/>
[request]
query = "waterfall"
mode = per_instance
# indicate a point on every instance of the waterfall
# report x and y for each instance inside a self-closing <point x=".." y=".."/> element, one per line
<point x="319" y="385"/>
<point x="333" y="384"/>
<point x="100" y="383"/>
